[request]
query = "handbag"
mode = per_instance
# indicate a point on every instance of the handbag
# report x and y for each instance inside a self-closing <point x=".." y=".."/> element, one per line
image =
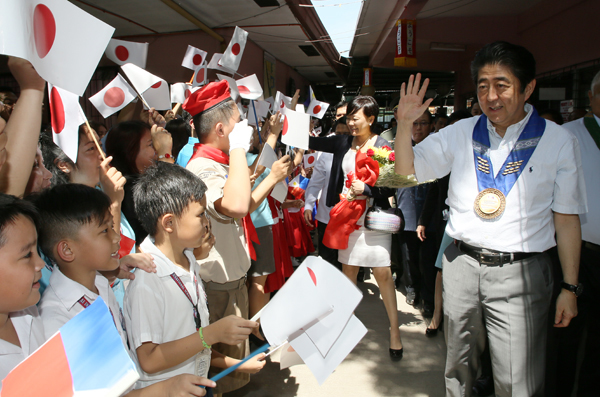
<point x="386" y="221"/>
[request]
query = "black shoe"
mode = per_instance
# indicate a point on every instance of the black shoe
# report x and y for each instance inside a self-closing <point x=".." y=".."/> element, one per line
<point x="427" y="309"/>
<point x="396" y="354"/>
<point x="411" y="297"/>
<point x="360" y="277"/>
<point x="431" y="332"/>
<point x="484" y="386"/>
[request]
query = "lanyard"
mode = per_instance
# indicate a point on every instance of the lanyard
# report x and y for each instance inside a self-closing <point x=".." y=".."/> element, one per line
<point x="182" y="287"/>
<point x="85" y="303"/>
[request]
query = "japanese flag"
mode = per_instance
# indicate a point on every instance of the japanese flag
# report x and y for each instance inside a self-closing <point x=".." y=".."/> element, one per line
<point x="66" y="116"/>
<point x="317" y="108"/>
<point x="140" y="79"/>
<point x="233" y="54"/>
<point x="310" y="160"/>
<point x="257" y="109"/>
<point x="316" y="132"/>
<point x="282" y="101"/>
<point x="122" y="52"/>
<point x="295" y="130"/>
<point x="200" y="76"/>
<point x="233" y="90"/>
<point x="63" y="42"/>
<point x="114" y="97"/>
<point x="193" y="58"/>
<point x="249" y="87"/>
<point x="157" y="96"/>
<point x="271" y="101"/>
<point x="153" y="89"/>
<point x="180" y="92"/>
<point x="214" y="64"/>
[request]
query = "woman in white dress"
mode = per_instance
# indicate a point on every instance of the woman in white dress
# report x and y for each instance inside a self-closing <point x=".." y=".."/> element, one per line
<point x="365" y="247"/>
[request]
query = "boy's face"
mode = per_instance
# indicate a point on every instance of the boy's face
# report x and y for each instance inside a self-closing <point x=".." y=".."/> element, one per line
<point x="193" y="224"/>
<point x="20" y="267"/>
<point x="97" y="245"/>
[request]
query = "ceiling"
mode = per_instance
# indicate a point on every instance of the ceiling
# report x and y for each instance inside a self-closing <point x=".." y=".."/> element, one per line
<point x="278" y="29"/>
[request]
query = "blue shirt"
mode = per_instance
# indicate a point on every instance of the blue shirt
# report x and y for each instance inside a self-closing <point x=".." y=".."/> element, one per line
<point x="261" y="216"/>
<point x="186" y="152"/>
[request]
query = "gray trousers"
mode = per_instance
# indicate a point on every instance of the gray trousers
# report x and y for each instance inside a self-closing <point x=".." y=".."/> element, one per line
<point x="510" y="303"/>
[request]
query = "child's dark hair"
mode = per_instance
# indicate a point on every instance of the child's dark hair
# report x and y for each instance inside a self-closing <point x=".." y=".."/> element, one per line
<point x="165" y="188"/>
<point x="10" y="208"/>
<point x="64" y="209"/>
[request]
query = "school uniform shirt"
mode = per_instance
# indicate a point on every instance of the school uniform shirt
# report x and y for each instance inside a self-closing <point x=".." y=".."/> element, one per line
<point x="186" y="152"/>
<point x="261" y="216"/>
<point x="30" y="330"/>
<point x="65" y="298"/>
<point x="229" y="259"/>
<point x="158" y="311"/>
<point x="551" y="181"/>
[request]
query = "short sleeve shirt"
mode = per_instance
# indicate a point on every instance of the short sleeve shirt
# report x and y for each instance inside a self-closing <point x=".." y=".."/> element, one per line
<point x="262" y="215"/>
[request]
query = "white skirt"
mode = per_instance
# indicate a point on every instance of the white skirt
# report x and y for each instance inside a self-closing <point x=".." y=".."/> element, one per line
<point x="367" y="248"/>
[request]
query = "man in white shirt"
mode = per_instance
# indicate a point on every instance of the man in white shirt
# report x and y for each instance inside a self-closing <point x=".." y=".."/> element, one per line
<point x="515" y="181"/>
<point x="562" y="377"/>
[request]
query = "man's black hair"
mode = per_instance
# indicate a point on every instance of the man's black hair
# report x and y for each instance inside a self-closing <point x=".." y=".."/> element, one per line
<point x="12" y="207"/>
<point x="64" y="209"/>
<point x="517" y="58"/>
<point x="341" y="104"/>
<point x="165" y="189"/>
<point x="180" y="132"/>
<point x="459" y="115"/>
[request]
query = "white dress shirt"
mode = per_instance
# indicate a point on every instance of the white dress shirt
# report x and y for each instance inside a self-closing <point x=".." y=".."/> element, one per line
<point x="158" y="311"/>
<point x="317" y="187"/>
<point x="551" y="181"/>
<point x="590" y="158"/>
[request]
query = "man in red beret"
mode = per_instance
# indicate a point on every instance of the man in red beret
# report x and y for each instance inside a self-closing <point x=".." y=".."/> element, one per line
<point x="220" y="161"/>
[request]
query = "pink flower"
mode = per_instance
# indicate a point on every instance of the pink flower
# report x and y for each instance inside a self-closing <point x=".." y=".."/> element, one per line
<point x="392" y="156"/>
<point x="386" y="147"/>
<point x="370" y="152"/>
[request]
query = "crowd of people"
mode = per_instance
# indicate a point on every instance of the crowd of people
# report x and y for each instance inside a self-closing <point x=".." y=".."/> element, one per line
<point x="177" y="231"/>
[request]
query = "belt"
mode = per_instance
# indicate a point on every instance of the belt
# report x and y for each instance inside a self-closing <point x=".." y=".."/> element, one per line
<point x="490" y="257"/>
<point x="236" y="284"/>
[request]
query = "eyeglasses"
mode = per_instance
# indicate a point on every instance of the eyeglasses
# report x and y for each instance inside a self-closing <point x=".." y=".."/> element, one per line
<point x="421" y="123"/>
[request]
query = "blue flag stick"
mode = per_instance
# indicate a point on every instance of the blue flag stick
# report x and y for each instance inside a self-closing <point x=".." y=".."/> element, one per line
<point x="257" y="126"/>
<point x="229" y="370"/>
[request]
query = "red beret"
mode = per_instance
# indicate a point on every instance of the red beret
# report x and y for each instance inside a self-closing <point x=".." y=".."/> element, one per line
<point x="207" y="97"/>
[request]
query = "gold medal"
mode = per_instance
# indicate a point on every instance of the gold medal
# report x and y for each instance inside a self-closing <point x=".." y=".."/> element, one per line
<point x="490" y="203"/>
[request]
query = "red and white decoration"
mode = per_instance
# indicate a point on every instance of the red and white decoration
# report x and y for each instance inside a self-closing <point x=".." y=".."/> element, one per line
<point x="233" y="54"/>
<point x="200" y="76"/>
<point x="193" y="58"/>
<point x="310" y="160"/>
<point x="65" y="117"/>
<point x="317" y="108"/>
<point x="214" y="64"/>
<point x="296" y="127"/>
<point x="281" y="102"/>
<point x="153" y="89"/>
<point x="122" y="52"/>
<point x="406" y="50"/>
<point x="249" y="87"/>
<point x="115" y="96"/>
<point x="317" y="131"/>
<point x="180" y="92"/>
<point x="157" y="96"/>
<point x="63" y="42"/>
<point x="235" y="94"/>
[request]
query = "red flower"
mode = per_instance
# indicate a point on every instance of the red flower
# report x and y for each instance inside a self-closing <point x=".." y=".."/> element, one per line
<point x="370" y="152"/>
<point x="392" y="156"/>
<point x="386" y="147"/>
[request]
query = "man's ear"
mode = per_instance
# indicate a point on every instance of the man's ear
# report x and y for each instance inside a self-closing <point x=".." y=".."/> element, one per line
<point x="529" y="89"/>
<point x="167" y="222"/>
<point x="64" y="251"/>
<point x="63" y="166"/>
<point x="220" y="129"/>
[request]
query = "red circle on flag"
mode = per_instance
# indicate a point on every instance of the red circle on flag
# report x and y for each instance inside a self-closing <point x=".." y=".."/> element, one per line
<point x="114" y="97"/>
<point x="243" y="89"/>
<point x="312" y="275"/>
<point x="187" y="93"/>
<point x="197" y="59"/>
<point x="57" y="111"/>
<point x="282" y="104"/>
<point x="235" y="49"/>
<point x="200" y="76"/>
<point x="285" y="125"/>
<point x="44" y="29"/>
<point x="317" y="109"/>
<point x="122" y="53"/>
<point x="157" y="84"/>
<point x="311" y="159"/>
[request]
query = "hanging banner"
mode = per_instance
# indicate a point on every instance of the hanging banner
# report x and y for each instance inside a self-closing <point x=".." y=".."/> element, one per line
<point x="367" y="77"/>
<point x="269" y="75"/>
<point x="406" y="43"/>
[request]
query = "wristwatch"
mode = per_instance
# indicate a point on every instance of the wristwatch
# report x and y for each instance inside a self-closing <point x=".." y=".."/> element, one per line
<point x="576" y="289"/>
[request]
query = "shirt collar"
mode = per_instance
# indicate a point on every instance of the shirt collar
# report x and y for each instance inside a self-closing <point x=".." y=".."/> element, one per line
<point x="514" y="129"/>
<point x="69" y="292"/>
<point x="22" y="320"/>
<point x="164" y="266"/>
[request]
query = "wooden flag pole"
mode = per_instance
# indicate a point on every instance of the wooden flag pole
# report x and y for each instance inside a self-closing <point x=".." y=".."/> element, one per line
<point x="192" y="79"/>
<point x="91" y="132"/>
<point x="176" y="108"/>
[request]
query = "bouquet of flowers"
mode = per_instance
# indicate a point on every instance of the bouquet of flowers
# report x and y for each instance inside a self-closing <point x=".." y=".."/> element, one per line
<point x="386" y="157"/>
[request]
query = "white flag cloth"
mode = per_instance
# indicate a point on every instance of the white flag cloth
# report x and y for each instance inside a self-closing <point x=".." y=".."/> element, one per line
<point x="157" y="96"/>
<point x="233" y="90"/>
<point x="193" y="58"/>
<point x="249" y="87"/>
<point x="310" y="160"/>
<point x="300" y="108"/>
<point x="271" y="102"/>
<point x="66" y="116"/>
<point x="122" y="52"/>
<point x="282" y="101"/>
<point x="114" y="97"/>
<point x="262" y="109"/>
<point x="153" y="89"/>
<point x="233" y="54"/>
<point x="63" y="42"/>
<point x="200" y="76"/>
<point x="140" y="79"/>
<point x="296" y="127"/>
<point x="214" y="64"/>
<point x="180" y="92"/>
<point x="317" y="108"/>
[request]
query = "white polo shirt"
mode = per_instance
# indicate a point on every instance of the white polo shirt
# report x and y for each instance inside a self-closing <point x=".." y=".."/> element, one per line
<point x="158" y="311"/>
<point x="551" y="181"/>
<point x="30" y="330"/>
<point x="60" y="302"/>
<point x="317" y="187"/>
<point x="590" y="158"/>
